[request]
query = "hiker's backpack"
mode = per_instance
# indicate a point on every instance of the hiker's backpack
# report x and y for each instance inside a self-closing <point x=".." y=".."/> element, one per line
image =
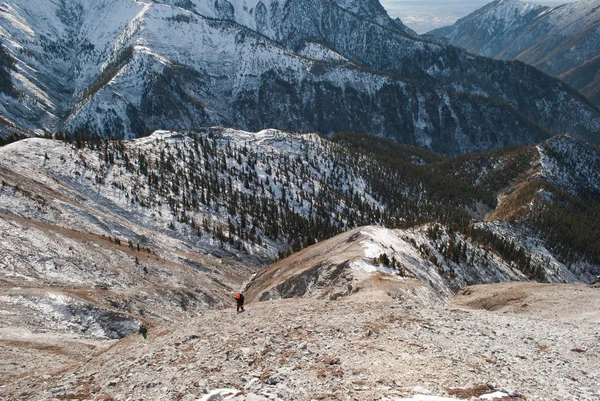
<point x="238" y="297"/>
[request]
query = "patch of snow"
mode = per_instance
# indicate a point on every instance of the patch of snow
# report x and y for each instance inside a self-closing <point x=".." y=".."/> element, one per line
<point x="423" y="397"/>
<point x="494" y="396"/>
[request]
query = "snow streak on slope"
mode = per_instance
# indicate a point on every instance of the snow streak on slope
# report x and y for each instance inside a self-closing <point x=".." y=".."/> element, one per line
<point x="317" y="51"/>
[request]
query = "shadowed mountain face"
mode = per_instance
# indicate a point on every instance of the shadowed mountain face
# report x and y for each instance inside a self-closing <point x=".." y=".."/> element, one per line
<point x="562" y="41"/>
<point x="305" y="65"/>
<point x="586" y="78"/>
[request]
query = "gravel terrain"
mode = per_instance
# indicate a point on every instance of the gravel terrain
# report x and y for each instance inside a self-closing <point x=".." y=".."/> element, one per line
<point x="530" y="341"/>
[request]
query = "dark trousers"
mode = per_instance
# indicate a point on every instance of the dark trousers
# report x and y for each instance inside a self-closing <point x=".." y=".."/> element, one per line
<point x="240" y="307"/>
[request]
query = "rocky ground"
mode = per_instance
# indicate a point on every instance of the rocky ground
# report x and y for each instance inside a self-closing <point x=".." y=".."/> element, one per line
<point x="386" y="342"/>
<point x="65" y="294"/>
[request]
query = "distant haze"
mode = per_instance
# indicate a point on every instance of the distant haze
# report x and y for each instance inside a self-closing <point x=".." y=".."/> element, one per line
<point x="425" y="15"/>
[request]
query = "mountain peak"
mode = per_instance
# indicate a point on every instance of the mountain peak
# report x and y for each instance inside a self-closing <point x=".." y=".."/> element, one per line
<point x="559" y="41"/>
<point x="508" y="2"/>
<point x="508" y="9"/>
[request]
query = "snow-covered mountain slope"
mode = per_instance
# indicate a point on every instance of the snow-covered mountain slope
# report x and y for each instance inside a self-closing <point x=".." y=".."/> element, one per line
<point x="571" y="165"/>
<point x="188" y="64"/>
<point x="432" y="255"/>
<point x="87" y="289"/>
<point x="547" y="197"/>
<point x="266" y="16"/>
<point x="59" y="50"/>
<point x="259" y="196"/>
<point x="252" y="195"/>
<point x="557" y="40"/>
<point x="494" y="27"/>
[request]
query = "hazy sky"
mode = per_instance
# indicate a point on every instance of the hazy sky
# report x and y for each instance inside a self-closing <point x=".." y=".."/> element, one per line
<point x="425" y="15"/>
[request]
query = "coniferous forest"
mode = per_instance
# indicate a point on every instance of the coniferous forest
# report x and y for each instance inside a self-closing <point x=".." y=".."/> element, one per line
<point x="244" y="196"/>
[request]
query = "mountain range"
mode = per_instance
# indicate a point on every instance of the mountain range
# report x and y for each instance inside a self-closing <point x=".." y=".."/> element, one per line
<point x="302" y="65"/>
<point x="255" y="198"/>
<point x="100" y="235"/>
<point x="562" y="41"/>
<point x="354" y="180"/>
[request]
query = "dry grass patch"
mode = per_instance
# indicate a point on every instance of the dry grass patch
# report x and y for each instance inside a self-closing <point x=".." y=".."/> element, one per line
<point x="496" y="300"/>
<point x="84" y="393"/>
<point x="515" y="200"/>
<point x="186" y="360"/>
<point x="104" y="397"/>
<point x="326" y="397"/>
<point x="375" y="327"/>
<point x="488" y="360"/>
<point x="469" y="392"/>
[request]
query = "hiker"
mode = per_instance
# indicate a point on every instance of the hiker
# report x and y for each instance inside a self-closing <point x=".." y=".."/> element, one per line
<point x="239" y="299"/>
<point x="143" y="330"/>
